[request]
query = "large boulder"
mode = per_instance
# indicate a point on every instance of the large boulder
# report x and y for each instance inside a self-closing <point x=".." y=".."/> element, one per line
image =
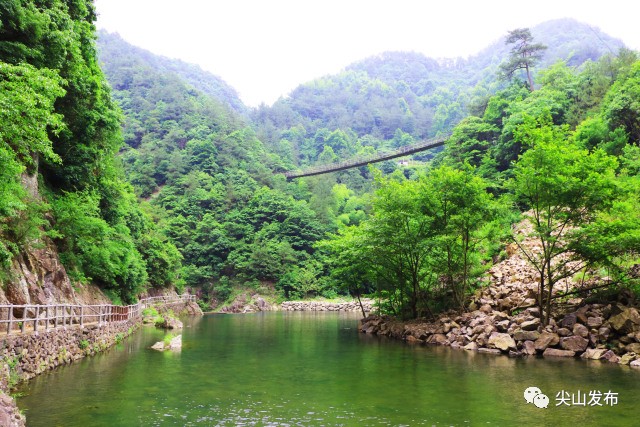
<point x="546" y="339"/>
<point x="574" y="343"/>
<point x="568" y="321"/>
<point x="580" y="330"/>
<point x="529" y="348"/>
<point x="594" y="322"/>
<point x="554" y="352"/>
<point x="520" y="335"/>
<point x="438" y="339"/>
<point x="594" y="353"/>
<point x="170" y="322"/>
<point x="530" y="325"/>
<point x="633" y="348"/>
<point x="502" y="341"/>
<point x="626" y="321"/>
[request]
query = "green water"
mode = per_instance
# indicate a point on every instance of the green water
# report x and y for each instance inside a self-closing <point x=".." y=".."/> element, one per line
<point x="313" y="369"/>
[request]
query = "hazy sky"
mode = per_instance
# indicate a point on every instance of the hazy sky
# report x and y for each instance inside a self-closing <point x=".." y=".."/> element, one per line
<point x="265" y="48"/>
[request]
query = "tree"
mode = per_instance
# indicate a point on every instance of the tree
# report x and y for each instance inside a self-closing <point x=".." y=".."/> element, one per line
<point x="348" y="261"/>
<point x="564" y="188"/>
<point x="463" y="206"/>
<point x="524" y="54"/>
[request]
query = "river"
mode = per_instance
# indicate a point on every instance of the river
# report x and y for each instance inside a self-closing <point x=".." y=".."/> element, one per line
<point x="314" y="369"/>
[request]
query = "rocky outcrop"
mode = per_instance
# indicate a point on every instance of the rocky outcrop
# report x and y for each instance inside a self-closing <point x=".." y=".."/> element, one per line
<point x="37" y="276"/>
<point x="173" y="344"/>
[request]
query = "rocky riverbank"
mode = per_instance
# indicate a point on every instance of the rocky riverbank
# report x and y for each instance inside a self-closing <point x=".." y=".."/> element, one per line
<point x="502" y="319"/>
<point x="608" y="332"/>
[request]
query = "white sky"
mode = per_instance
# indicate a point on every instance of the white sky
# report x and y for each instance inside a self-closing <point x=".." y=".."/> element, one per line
<point x="265" y="48"/>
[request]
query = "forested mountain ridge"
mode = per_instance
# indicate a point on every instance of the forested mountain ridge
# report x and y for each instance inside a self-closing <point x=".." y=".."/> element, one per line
<point x="402" y="96"/>
<point x="206" y="177"/>
<point x="207" y="172"/>
<point x="113" y="49"/>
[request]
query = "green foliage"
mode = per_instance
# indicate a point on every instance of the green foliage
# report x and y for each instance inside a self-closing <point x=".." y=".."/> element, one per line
<point x="150" y="312"/>
<point x="27" y="97"/>
<point x="94" y="250"/>
<point x="524" y="54"/>
<point x="565" y="188"/>
<point x="83" y="344"/>
<point x="419" y="247"/>
<point x="621" y="106"/>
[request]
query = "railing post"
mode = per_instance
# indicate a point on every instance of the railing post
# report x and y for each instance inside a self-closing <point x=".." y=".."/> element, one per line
<point x="35" y="322"/>
<point x="81" y="316"/>
<point x="24" y="319"/>
<point x="46" y="328"/>
<point x="9" y="318"/>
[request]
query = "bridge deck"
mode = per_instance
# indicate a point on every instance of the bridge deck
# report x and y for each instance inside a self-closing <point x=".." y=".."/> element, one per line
<point x="362" y="161"/>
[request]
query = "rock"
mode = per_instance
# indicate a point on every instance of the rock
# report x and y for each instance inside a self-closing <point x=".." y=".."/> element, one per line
<point x="158" y="346"/>
<point x="610" y="356"/>
<point x="546" y="339"/>
<point x="627" y="358"/>
<point x="520" y="335"/>
<point x="603" y="333"/>
<point x="502" y="326"/>
<point x="633" y="348"/>
<point x="489" y="350"/>
<point x="626" y="321"/>
<point x="594" y="322"/>
<point x="502" y="341"/>
<point x="594" y="353"/>
<point x="529" y="348"/>
<point x="635" y="363"/>
<point x="581" y="315"/>
<point x="580" y="330"/>
<point x="568" y="321"/>
<point x="533" y="311"/>
<point x="486" y="308"/>
<point x="563" y="332"/>
<point x="471" y="346"/>
<point x="500" y="316"/>
<point x="530" y="325"/>
<point x="438" y="339"/>
<point x="412" y="340"/>
<point x="175" y="343"/>
<point x="574" y="343"/>
<point x="554" y="352"/>
<point x="171" y="323"/>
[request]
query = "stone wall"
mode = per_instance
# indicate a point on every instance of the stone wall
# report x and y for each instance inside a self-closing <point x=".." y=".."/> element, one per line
<point x="30" y="354"/>
<point x="326" y="306"/>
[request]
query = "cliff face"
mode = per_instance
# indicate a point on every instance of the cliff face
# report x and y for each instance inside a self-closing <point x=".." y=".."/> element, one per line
<point x="38" y="277"/>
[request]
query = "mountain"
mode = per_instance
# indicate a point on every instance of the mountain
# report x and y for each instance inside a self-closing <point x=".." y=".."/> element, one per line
<point x="408" y="92"/>
<point x="115" y="54"/>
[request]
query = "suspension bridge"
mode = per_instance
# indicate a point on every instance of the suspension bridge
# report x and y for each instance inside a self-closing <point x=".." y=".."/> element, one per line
<point x="374" y="158"/>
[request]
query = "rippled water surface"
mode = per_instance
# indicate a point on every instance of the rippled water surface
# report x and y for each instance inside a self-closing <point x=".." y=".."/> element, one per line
<point x="314" y="369"/>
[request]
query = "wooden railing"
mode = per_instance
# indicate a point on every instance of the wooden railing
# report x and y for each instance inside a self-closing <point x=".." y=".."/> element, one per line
<point x="23" y="318"/>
